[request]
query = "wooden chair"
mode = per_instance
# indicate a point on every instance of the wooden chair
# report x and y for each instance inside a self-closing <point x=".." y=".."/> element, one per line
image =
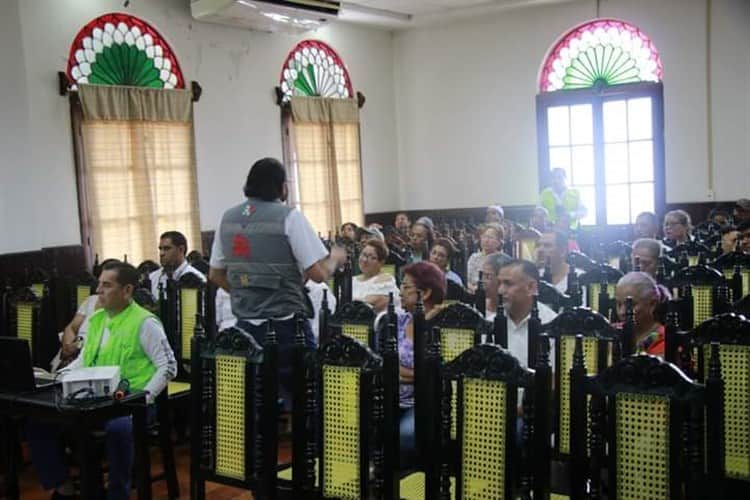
<point x="144" y="269"/>
<point x="600" y="283"/>
<point x="617" y="255"/>
<point x="703" y="292"/>
<point x="736" y="269"/>
<point x="696" y="252"/>
<point x="81" y="288"/>
<point x="477" y="402"/>
<point x="646" y="430"/>
<point x="234" y="432"/>
<point x="25" y="318"/>
<point x="552" y="297"/>
<point x="355" y="319"/>
<point x="731" y="332"/>
<point x="525" y="242"/>
<point x="601" y="346"/>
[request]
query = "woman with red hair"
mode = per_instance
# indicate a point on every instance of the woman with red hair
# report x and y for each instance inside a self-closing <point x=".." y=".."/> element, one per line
<point x="425" y="278"/>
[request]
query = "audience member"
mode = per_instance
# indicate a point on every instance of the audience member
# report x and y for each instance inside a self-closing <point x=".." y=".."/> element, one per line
<point x="402" y="223"/>
<point x="120" y="334"/>
<point x="646" y="253"/>
<point x="441" y="254"/>
<point x="646" y="226"/>
<point x="558" y="198"/>
<point x="427" y="278"/>
<point x="677" y="227"/>
<point x="172" y="251"/>
<point x="648" y="334"/>
<point x="553" y="248"/>
<point x="490" y="241"/>
<point x="495" y="213"/>
<point x="744" y="229"/>
<point x="719" y="216"/>
<point x="741" y="211"/>
<point x="729" y="238"/>
<point x="373" y="285"/>
<point x="491" y="267"/>
<point x="421" y="236"/>
<point x="348" y="232"/>
<point x="539" y="219"/>
<point x="518" y="282"/>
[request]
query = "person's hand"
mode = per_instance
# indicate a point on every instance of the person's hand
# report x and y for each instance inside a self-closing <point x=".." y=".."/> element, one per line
<point x="338" y="254"/>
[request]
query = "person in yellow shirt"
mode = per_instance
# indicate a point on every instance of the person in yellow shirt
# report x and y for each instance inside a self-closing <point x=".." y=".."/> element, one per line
<point x="559" y="198"/>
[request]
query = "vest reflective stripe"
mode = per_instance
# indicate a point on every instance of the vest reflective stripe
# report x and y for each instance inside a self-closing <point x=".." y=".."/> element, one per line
<point x="123" y="346"/>
<point x="264" y="276"/>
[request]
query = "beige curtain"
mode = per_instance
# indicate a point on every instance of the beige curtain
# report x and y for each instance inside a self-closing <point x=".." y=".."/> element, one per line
<point x="326" y="178"/>
<point x="139" y="171"/>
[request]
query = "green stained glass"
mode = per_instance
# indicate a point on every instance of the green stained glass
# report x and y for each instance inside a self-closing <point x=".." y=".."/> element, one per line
<point x="314" y="69"/>
<point x="124" y="65"/>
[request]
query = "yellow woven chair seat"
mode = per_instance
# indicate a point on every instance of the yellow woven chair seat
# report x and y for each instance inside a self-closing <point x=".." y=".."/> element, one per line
<point x="557" y="496"/>
<point x="412" y="487"/>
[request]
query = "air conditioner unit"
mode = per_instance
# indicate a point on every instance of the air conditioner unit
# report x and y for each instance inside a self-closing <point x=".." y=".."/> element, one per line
<point x="288" y="16"/>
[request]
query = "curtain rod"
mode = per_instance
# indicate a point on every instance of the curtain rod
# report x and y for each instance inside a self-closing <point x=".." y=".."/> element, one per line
<point x="63" y="87"/>
<point x="280" y="98"/>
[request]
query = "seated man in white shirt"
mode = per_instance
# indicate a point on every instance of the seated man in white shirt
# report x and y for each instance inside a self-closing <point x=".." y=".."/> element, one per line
<point x="172" y="251"/>
<point x="517" y="285"/>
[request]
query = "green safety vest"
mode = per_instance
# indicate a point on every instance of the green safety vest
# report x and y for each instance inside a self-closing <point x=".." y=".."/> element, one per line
<point x="571" y="200"/>
<point x="123" y="346"/>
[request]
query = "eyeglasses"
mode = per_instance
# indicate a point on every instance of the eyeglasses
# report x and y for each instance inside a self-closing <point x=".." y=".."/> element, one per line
<point x="368" y="256"/>
<point x="407" y="286"/>
<point x="672" y="224"/>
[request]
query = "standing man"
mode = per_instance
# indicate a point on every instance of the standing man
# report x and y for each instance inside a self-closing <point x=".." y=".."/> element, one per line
<point x="263" y="252"/>
<point x="558" y="198"/>
<point x="172" y="251"/>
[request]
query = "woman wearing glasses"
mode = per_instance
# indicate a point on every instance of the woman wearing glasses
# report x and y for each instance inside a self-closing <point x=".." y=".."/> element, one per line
<point x="425" y="278"/>
<point x="373" y="285"/>
<point x="677" y="228"/>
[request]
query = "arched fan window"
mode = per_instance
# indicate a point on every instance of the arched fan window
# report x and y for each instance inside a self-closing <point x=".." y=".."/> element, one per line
<point x="600" y="118"/>
<point x="133" y="138"/>
<point x="320" y="117"/>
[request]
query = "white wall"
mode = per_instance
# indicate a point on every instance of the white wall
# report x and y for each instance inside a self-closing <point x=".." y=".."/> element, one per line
<point x="465" y="97"/>
<point x="236" y="120"/>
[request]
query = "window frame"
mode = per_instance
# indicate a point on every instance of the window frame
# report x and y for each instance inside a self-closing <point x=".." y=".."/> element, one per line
<point x="597" y="96"/>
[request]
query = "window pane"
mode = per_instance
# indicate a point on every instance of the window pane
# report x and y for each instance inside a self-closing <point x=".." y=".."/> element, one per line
<point x="639" y="118"/>
<point x="558" y="126"/>
<point x="618" y="208"/>
<point x="581" y="123"/>
<point x="560" y="158"/>
<point x="615" y="121"/>
<point x="641" y="199"/>
<point x="641" y="161"/>
<point x="616" y="163"/>
<point x="583" y="165"/>
<point x="588" y="198"/>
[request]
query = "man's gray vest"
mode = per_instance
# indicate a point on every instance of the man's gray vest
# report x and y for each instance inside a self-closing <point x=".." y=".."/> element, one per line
<point x="262" y="271"/>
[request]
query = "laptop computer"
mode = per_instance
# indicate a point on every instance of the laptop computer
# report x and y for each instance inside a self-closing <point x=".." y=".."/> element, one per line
<point x="16" y="370"/>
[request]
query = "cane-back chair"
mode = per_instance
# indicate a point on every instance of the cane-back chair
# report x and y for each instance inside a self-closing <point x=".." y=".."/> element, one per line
<point x="694" y="250"/>
<point x="600" y="283"/>
<point x="25" y="318"/>
<point x="479" y="391"/>
<point x="647" y="425"/>
<point x="617" y="255"/>
<point x="234" y="419"/>
<point x="600" y="347"/>
<point x="736" y="269"/>
<point x="355" y="319"/>
<point x="81" y="288"/>
<point x="732" y="333"/>
<point x="525" y="242"/>
<point x="461" y="327"/>
<point x="144" y="269"/>
<point x="552" y="297"/>
<point x="703" y="292"/>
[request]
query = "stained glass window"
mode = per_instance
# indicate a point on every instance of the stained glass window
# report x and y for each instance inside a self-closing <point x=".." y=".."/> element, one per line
<point x="313" y="68"/>
<point x="120" y="49"/>
<point x="601" y="52"/>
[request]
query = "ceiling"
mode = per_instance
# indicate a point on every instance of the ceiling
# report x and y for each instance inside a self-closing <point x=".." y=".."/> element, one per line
<point x="408" y="13"/>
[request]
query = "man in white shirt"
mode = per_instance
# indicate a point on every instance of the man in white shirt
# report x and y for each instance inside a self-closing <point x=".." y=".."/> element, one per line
<point x="517" y="284"/>
<point x="172" y="251"/>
